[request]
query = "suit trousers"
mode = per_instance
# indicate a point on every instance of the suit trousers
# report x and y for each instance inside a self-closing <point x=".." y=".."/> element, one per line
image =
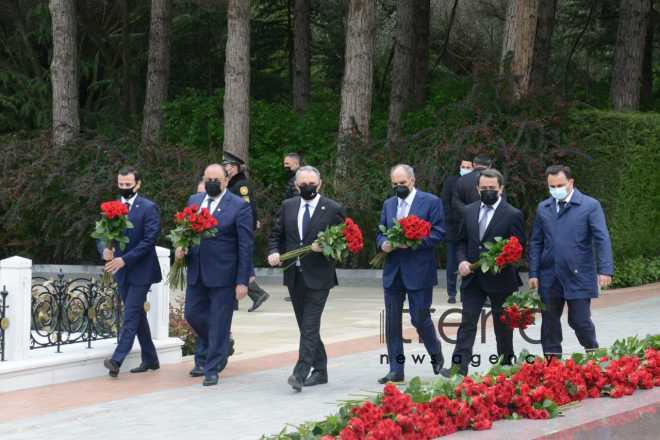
<point x="419" y="303"/>
<point x="308" y="305"/>
<point x="135" y="324"/>
<point x="473" y="297"/>
<point x="452" y="267"/>
<point x="209" y="311"/>
<point x="579" y="318"/>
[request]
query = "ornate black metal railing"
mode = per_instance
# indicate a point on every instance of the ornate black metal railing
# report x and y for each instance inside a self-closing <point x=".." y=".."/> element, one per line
<point x="4" y="321"/>
<point x="72" y="311"/>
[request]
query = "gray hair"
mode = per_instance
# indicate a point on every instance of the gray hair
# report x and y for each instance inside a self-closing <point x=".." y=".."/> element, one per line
<point x="308" y="169"/>
<point x="410" y="172"/>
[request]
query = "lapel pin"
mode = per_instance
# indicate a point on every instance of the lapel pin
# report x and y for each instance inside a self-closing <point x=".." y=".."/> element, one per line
<point x="322" y="208"/>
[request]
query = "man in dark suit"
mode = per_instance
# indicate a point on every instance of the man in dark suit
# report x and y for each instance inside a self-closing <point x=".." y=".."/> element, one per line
<point x="453" y="220"/>
<point x="465" y="191"/>
<point x="291" y="162"/>
<point x="240" y="186"/>
<point x="568" y="227"/>
<point x="135" y="269"/>
<point x="410" y="272"/>
<point x="483" y="221"/>
<point x="218" y="269"/>
<point x="310" y="278"/>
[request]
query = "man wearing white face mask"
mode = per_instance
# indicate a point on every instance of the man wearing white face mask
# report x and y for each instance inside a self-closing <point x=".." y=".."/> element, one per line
<point x="568" y="227"/>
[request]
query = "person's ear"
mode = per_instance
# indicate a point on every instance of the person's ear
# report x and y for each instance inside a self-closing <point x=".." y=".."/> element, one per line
<point x="137" y="186"/>
<point x="318" y="188"/>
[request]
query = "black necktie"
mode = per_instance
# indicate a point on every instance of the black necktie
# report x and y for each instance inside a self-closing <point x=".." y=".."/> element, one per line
<point x="306" y="220"/>
<point x="208" y="205"/>
<point x="128" y="206"/>
<point x="562" y="205"/>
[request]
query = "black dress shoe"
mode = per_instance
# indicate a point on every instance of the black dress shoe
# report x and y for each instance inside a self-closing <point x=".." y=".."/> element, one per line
<point x="222" y="365"/>
<point x="197" y="371"/>
<point x="262" y="299"/>
<point x="295" y="383"/>
<point x="211" y="379"/>
<point x="287" y="298"/>
<point x="231" y="346"/>
<point x="316" y="378"/>
<point x="145" y="367"/>
<point x="438" y="364"/>
<point x="391" y="377"/>
<point x="112" y="366"/>
<point x="445" y="372"/>
<point x="451" y="300"/>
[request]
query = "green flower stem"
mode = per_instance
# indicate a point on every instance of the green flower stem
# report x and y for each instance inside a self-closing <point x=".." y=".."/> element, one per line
<point x="296" y="253"/>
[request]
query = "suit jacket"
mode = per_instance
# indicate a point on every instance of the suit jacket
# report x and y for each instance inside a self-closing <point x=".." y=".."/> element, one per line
<point x="452" y="217"/>
<point x="507" y="221"/>
<point x="142" y="267"/>
<point x="318" y="271"/>
<point x="224" y="260"/>
<point x="465" y="192"/>
<point x="418" y="267"/>
<point x="240" y="185"/>
<point x="562" y="246"/>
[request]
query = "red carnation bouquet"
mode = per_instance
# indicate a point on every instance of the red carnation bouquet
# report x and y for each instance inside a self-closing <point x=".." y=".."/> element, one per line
<point x="408" y="231"/>
<point x="191" y="227"/>
<point x="336" y="242"/>
<point x="111" y="229"/>
<point x="499" y="254"/>
<point x="519" y="308"/>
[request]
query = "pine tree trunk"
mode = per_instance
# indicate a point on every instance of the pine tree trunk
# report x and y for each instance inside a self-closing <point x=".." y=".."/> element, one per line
<point x="519" y="43"/>
<point x="542" y="45"/>
<point x="422" y="33"/>
<point x="302" y="47"/>
<point x="64" y="72"/>
<point x="402" y="70"/>
<point x="629" y="54"/>
<point x="237" y="80"/>
<point x="158" y="72"/>
<point x="357" y="83"/>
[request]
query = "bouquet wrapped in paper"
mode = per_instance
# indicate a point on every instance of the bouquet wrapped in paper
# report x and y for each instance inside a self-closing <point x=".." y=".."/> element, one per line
<point x="408" y="231"/>
<point x="111" y="229"/>
<point x="191" y="227"/>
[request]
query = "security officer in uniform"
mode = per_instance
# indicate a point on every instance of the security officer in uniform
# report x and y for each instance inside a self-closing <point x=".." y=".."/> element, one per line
<point x="239" y="185"/>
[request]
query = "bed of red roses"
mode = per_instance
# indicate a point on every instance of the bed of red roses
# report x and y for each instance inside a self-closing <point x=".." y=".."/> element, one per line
<point x="537" y="389"/>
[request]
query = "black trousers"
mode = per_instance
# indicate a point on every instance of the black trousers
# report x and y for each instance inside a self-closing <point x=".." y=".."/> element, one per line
<point x="308" y="305"/>
<point x="473" y="298"/>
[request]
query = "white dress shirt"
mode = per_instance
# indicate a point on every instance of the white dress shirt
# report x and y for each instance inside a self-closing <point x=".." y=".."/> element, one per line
<point x="301" y="212"/>
<point x="567" y="200"/>
<point x="214" y="203"/>
<point x="129" y="201"/>
<point x="491" y="212"/>
<point x="408" y="203"/>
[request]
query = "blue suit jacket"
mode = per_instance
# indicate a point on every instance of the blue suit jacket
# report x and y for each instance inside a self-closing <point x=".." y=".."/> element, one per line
<point x="224" y="260"/>
<point x="562" y="246"/>
<point x="418" y="267"/>
<point x="142" y="267"/>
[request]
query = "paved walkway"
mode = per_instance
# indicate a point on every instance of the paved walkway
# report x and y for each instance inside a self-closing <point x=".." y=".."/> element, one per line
<point x="253" y="397"/>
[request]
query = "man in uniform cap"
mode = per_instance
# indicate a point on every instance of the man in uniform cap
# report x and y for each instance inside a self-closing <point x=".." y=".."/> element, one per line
<point x="240" y="185"/>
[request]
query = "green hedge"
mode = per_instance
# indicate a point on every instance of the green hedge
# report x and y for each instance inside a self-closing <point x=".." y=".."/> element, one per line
<point x="622" y="172"/>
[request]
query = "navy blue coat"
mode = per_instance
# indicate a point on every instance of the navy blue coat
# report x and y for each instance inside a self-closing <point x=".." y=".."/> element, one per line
<point x="142" y="267"/>
<point x="418" y="267"/>
<point x="562" y="247"/>
<point x="224" y="260"/>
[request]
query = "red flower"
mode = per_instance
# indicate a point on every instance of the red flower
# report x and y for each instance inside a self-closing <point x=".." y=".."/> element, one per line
<point x="113" y="209"/>
<point x="353" y="236"/>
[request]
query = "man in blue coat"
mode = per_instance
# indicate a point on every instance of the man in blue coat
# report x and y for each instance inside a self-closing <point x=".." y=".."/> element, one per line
<point x="135" y="269"/>
<point x="218" y="269"/>
<point x="410" y="272"/>
<point x="568" y="228"/>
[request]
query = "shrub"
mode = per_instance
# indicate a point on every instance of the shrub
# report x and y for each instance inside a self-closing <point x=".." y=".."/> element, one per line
<point x="179" y="328"/>
<point x="636" y="271"/>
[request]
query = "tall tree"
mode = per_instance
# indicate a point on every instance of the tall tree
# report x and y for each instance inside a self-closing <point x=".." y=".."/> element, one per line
<point x="527" y="43"/>
<point x="402" y="69"/>
<point x="302" y="48"/>
<point x="357" y="83"/>
<point x="64" y="71"/>
<point x="236" y="105"/>
<point x="647" y="68"/>
<point x="158" y="72"/>
<point x="629" y="54"/>
<point x="422" y="33"/>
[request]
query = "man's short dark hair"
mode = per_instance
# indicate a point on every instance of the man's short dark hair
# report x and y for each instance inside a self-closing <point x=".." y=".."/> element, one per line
<point x="295" y="156"/>
<point x="491" y="173"/>
<point x="127" y="169"/>
<point x="482" y="160"/>
<point x="556" y="169"/>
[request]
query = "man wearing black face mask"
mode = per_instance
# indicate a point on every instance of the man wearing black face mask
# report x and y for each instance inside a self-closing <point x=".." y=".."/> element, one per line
<point x="135" y="269"/>
<point x="483" y="221"/>
<point x="292" y="162"/>
<point x="311" y="277"/>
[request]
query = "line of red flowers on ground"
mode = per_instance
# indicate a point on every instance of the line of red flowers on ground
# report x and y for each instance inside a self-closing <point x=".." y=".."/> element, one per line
<point x="534" y="392"/>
